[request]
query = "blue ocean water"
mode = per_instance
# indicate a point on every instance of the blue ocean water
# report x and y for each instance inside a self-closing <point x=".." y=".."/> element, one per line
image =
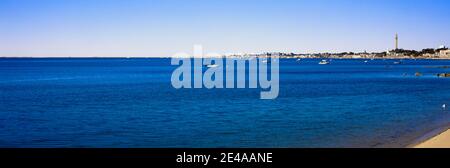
<point x="118" y="102"/>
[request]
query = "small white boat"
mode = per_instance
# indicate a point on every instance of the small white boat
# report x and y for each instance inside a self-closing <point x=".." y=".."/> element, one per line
<point x="324" y="62"/>
<point x="397" y="62"/>
<point x="366" y="61"/>
<point x="298" y="60"/>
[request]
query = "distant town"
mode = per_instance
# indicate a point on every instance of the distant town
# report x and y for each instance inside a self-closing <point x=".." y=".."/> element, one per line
<point x="441" y="52"/>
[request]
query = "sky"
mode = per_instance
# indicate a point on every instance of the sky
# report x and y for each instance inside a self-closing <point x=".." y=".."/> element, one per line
<point x="153" y="28"/>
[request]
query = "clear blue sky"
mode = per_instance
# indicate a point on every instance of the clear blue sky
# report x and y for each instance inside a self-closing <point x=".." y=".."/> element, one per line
<point x="164" y="27"/>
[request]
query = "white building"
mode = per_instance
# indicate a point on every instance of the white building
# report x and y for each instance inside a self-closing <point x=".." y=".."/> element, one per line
<point x="444" y="53"/>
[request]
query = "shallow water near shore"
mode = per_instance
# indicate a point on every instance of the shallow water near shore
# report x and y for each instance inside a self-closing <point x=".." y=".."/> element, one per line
<point x="118" y="102"/>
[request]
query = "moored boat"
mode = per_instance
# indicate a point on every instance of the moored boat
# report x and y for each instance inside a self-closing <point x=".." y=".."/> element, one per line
<point x="324" y="62"/>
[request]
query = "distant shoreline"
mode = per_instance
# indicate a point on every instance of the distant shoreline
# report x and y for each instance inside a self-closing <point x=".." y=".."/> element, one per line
<point x="387" y="58"/>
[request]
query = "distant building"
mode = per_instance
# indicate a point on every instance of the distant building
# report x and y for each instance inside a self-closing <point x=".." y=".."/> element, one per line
<point x="444" y="53"/>
<point x="396" y="52"/>
<point x="396" y="41"/>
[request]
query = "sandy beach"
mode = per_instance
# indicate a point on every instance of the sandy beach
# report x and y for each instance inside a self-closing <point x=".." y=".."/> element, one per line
<point x="439" y="141"/>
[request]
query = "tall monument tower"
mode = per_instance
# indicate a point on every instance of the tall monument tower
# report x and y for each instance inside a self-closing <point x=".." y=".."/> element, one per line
<point x="396" y="41"/>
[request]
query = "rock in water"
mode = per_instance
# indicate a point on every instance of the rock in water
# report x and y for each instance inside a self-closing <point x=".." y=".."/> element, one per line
<point x="444" y="75"/>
